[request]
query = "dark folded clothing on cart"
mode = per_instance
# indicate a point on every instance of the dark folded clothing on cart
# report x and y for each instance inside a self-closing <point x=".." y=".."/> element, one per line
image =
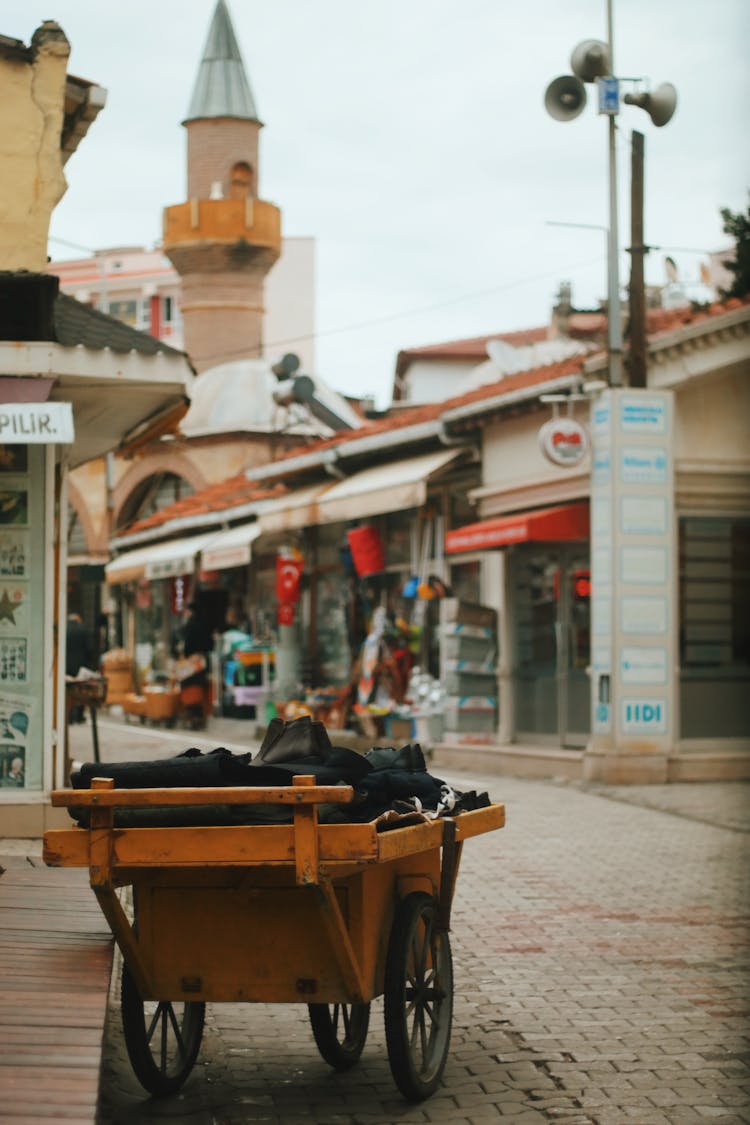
<point x="391" y="786"/>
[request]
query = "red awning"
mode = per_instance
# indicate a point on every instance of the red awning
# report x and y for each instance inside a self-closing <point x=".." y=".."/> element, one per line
<point x="545" y="525"/>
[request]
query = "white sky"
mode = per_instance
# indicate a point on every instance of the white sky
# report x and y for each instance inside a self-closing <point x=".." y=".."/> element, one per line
<point x="409" y="138"/>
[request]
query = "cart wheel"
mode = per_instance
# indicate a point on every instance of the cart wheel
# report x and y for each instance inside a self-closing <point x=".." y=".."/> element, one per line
<point x="162" y="1038"/>
<point x="418" y="997"/>
<point x="340" y="1032"/>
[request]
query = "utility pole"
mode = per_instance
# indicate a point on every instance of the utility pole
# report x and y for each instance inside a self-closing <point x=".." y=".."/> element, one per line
<point x="638" y="358"/>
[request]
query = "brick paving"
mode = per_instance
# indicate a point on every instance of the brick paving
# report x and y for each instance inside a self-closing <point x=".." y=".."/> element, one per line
<point x="601" y="962"/>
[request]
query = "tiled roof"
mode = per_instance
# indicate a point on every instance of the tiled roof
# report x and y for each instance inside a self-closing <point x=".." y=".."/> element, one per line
<point x="76" y="323"/>
<point x="238" y="490"/>
<point x="585" y="325"/>
<point x="473" y="348"/>
<point x="223" y="495"/>
<point x="667" y="320"/>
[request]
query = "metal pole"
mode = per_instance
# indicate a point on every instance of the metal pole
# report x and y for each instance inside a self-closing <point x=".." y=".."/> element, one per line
<point x="638" y="354"/>
<point x="614" y="325"/>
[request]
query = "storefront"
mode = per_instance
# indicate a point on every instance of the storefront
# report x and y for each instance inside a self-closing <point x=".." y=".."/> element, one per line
<point x="550" y="592"/>
<point x="60" y="405"/>
<point x="403" y="507"/>
<point x="714" y="640"/>
<point x="624" y="645"/>
<point x="544" y="688"/>
<point x="27" y="693"/>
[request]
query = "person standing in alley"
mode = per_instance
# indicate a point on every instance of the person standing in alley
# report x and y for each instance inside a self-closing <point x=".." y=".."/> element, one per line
<point x="196" y="642"/>
<point x="77" y="655"/>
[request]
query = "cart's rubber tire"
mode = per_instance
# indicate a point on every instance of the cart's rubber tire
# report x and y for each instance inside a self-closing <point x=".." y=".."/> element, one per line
<point x="340" y="1032"/>
<point x="162" y="1038"/>
<point x="418" y="997"/>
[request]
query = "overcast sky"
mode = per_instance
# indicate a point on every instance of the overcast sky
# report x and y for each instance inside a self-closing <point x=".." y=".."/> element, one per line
<point x="410" y="139"/>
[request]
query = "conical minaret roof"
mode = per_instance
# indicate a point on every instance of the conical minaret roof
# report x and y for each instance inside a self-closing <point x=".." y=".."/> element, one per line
<point x="221" y="88"/>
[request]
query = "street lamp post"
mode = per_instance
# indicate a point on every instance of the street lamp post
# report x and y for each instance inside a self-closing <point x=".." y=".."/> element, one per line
<point x="565" y="98"/>
<point x="632" y="480"/>
<point x="614" y="320"/>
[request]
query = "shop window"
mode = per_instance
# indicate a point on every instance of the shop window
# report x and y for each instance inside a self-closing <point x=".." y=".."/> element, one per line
<point x="126" y="311"/>
<point x="714" y="616"/>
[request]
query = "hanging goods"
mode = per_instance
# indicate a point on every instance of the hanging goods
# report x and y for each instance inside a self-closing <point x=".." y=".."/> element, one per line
<point x="367" y="550"/>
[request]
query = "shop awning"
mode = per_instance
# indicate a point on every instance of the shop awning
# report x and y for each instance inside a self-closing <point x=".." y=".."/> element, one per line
<point x="158" y="560"/>
<point x="382" y="488"/>
<point x="563" y="523"/>
<point x="230" y="548"/>
<point x="291" y="512"/>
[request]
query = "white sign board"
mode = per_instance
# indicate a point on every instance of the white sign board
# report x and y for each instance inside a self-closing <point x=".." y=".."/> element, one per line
<point x="643" y="515"/>
<point x="644" y="565"/>
<point x="644" y="716"/>
<point x="643" y="615"/>
<point x="643" y="414"/>
<point x="641" y="665"/>
<point x="36" y="423"/>
<point x="643" y="465"/>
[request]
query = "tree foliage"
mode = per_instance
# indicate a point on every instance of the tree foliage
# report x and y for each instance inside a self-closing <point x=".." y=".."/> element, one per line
<point x="737" y="225"/>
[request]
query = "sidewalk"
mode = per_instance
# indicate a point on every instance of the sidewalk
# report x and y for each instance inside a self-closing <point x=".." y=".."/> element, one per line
<point x="55" y="966"/>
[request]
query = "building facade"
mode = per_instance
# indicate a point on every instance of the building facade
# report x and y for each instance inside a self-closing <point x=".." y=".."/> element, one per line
<point x="74" y="384"/>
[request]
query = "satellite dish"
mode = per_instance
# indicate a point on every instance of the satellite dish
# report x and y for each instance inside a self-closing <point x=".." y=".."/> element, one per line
<point x="565" y="98"/>
<point x="503" y="355"/>
<point x="286" y="366"/>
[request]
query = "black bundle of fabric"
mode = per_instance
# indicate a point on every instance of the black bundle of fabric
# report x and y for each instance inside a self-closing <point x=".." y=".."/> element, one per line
<point x="384" y="780"/>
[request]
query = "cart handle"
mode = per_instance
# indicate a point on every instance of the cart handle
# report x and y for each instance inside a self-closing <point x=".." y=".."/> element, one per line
<point x="302" y="791"/>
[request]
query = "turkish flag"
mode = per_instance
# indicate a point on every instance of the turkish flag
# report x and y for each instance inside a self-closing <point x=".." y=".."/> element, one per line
<point x="288" y="574"/>
<point x="285" y="613"/>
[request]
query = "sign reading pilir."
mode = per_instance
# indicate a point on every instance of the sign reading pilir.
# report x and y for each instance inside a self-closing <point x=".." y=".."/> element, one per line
<point x="45" y="423"/>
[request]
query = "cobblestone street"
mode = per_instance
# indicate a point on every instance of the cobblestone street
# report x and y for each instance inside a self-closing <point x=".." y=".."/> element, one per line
<point x="601" y="956"/>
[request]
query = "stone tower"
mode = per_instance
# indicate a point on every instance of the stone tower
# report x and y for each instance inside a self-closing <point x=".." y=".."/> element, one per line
<point x="224" y="240"/>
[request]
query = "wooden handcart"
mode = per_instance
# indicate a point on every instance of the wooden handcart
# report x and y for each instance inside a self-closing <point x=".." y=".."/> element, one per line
<point x="330" y="915"/>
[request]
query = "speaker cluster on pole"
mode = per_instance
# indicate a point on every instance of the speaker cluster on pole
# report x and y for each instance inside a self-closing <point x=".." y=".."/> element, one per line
<point x="565" y="97"/>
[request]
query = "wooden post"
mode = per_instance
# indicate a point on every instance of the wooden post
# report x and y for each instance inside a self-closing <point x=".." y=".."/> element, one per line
<point x="306" y="843"/>
<point x="638" y="358"/>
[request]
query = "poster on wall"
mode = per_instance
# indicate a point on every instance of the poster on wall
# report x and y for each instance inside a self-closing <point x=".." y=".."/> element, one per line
<point x="14" y="507"/>
<point x="14" y="458"/>
<point x="14" y="554"/>
<point x="13" y="660"/>
<point x="14" y="607"/>
<point x="15" y="719"/>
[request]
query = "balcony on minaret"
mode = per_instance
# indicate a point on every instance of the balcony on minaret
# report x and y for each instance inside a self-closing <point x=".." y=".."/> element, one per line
<point x="218" y="235"/>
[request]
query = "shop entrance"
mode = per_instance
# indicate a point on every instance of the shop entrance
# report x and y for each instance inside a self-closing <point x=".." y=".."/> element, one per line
<point x="550" y="592"/>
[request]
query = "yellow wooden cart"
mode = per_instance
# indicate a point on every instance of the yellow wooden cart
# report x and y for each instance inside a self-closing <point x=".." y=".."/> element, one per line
<point x="330" y="915"/>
